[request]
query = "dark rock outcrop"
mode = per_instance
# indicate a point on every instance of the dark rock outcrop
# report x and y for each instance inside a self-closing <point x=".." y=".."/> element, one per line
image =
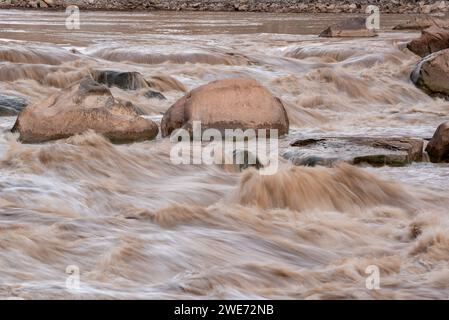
<point x="151" y="94"/>
<point x="10" y="105"/>
<point x="122" y="79"/>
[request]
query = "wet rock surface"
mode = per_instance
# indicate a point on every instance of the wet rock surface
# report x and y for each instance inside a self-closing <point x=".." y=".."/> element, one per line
<point x="85" y="106"/>
<point x="151" y="94"/>
<point x="355" y="150"/>
<point x="438" y="147"/>
<point x="11" y="105"/>
<point x="122" y="79"/>
<point x="236" y="103"/>
<point x="432" y="40"/>
<point x="432" y="74"/>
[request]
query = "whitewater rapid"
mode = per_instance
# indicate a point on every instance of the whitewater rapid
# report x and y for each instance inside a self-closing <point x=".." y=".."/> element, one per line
<point x="136" y="225"/>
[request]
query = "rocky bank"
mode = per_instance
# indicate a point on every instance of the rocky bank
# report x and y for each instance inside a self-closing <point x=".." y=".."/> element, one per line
<point x="306" y="6"/>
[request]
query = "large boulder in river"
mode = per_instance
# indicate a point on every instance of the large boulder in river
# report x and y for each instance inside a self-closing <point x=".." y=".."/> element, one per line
<point x="438" y="147"/>
<point x="11" y="105"/>
<point x="84" y="106"/>
<point x="125" y="80"/>
<point x="432" y="74"/>
<point x="432" y="40"/>
<point x="353" y="27"/>
<point x="237" y="103"/>
<point x="422" y="22"/>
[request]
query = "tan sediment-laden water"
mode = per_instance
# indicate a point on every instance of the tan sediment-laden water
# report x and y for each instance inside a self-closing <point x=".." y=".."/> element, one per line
<point x="136" y="225"/>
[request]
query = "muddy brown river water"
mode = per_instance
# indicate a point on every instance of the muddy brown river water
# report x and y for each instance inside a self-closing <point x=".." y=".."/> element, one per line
<point x="137" y="226"/>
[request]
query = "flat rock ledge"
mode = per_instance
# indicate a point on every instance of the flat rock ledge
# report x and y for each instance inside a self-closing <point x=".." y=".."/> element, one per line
<point x="376" y="152"/>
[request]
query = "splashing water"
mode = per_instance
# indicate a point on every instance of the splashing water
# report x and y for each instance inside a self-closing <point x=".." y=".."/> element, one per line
<point x="138" y="226"/>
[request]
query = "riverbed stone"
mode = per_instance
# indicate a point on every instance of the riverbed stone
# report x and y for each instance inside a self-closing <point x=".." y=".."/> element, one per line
<point x="438" y="146"/>
<point x="432" y="74"/>
<point x="152" y="94"/>
<point x="432" y="40"/>
<point x="374" y="151"/>
<point x="126" y="80"/>
<point x="236" y="103"/>
<point x="82" y="107"/>
<point x="11" y="105"/>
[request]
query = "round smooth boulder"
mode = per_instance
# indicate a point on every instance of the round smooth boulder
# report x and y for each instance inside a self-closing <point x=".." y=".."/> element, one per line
<point x="438" y="147"/>
<point x="84" y="106"/>
<point x="432" y="74"/>
<point x="236" y="103"/>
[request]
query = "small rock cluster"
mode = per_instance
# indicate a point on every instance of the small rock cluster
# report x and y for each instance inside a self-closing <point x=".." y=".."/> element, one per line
<point x="306" y="6"/>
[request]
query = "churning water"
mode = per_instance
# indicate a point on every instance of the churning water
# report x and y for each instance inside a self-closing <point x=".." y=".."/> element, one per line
<point x="138" y="226"/>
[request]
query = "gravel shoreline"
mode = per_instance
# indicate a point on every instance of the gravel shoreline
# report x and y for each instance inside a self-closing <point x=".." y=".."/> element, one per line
<point x="299" y="6"/>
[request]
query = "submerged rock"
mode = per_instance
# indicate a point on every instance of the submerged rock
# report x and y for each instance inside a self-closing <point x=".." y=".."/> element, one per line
<point x="432" y="74"/>
<point x="432" y="40"/>
<point x="151" y="94"/>
<point x="359" y="150"/>
<point x="422" y="22"/>
<point x="353" y="27"/>
<point x="438" y="147"/>
<point x="84" y="106"/>
<point x="312" y="161"/>
<point x="380" y="160"/>
<point x="11" y="105"/>
<point x="238" y="103"/>
<point x="306" y="142"/>
<point x="121" y="79"/>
